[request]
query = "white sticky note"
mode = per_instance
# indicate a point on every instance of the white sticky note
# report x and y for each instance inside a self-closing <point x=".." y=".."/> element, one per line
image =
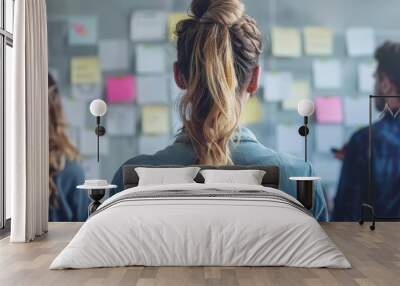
<point x="150" y="59"/>
<point x="327" y="74"/>
<point x="121" y="120"/>
<point x="318" y="41"/>
<point x="148" y="25"/>
<point x="152" y="89"/>
<point x="113" y="54"/>
<point x="74" y="111"/>
<point x="356" y="111"/>
<point x="289" y="141"/>
<point x="91" y="168"/>
<point x="86" y="91"/>
<point x="152" y="144"/>
<point x="328" y="137"/>
<point x="286" y="42"/>
<point x="360" y="41"/>
<point x="155" y="119"/>
<point x="88" y="143"/>
<point x="366" y="79"/>
<point x="278" y="86"/>
<point x="327" y="169"/>
<point x="300" y="90"/>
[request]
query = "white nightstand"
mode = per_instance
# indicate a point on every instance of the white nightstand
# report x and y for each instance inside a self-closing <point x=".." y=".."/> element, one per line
<point x="96" y="190"/>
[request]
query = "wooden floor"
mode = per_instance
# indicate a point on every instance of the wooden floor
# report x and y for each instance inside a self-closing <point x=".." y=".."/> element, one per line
<point x="375" y="257"/>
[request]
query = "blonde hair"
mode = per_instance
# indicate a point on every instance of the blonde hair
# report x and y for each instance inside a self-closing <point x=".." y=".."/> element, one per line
<point x="218" y="48"/>
<point x="60" y="147"/>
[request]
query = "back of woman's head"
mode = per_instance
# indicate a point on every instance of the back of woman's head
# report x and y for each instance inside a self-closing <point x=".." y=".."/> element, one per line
<point x="218" y="49"/>
<point x="60" y="147"/>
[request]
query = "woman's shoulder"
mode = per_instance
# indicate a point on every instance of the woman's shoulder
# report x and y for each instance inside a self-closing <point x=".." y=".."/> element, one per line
<point x="174" y="154"/>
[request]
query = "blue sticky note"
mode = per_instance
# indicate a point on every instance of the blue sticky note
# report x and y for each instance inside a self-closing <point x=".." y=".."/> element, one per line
<point x="82" y="30"/>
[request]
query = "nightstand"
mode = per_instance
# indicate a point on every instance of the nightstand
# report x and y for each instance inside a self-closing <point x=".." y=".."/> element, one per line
<point x="96" y="190"/>
<point x="305" y="190"/>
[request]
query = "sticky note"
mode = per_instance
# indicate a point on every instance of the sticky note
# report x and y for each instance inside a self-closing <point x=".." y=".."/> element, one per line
<point x="74" y="111"/>
<point x="82" y="30"/>
<point x="120" y="89"/>
<point x="300" y="90"/>
<point x="151" y="144"/>
<point x="318" y="41"/>
<point x="85" y="70"/>
<point x="150" y="59"/>
<point x="327" y="74"/>
<point x="329" y="109"/>
<point x="360" y="41"/>
<point x="155" y="119"/>
<point x="113" y="54"/>
<point x="356" y="111"/>
<point x="173" y="20"/>
<point x="121" y="120"/>
<point x="366" y="79"/>
<point x="87" y="91"/>
<point x="288" y="140"/>
<point x="328" y="137"/>
<point x="252" y="112"/>
<point x="277" y="86"/>
<point x="152" y="89"/>
<point x="148" y="25"/>
<point x="286" y="42"/>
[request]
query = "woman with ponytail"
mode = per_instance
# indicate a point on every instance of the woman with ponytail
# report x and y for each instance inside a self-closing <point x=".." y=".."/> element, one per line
<point x="218" y="49"/>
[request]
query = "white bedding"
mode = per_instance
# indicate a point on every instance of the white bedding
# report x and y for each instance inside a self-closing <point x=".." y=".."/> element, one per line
<point x="201" y="231"/>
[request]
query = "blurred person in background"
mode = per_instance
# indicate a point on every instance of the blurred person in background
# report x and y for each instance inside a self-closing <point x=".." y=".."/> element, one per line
<point x="66" y="203"/>
<point x="353" y="184"/>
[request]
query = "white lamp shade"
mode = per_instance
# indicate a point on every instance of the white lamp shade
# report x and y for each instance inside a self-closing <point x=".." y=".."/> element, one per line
<point x="98" y="107"/>
<point x="305" y="107"/>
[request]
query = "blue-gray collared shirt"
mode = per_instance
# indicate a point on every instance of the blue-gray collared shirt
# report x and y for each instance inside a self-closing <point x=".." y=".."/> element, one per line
<point x="246" y="150"/>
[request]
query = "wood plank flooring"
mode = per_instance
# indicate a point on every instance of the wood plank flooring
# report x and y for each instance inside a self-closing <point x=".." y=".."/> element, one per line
<point x="375" y="257"/>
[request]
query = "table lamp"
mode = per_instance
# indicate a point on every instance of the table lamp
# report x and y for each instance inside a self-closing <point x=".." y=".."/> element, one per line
<point x="98" y="108"/>
<point x="305" y="108"/>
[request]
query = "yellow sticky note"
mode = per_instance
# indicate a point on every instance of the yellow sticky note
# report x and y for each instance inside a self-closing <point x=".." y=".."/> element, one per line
<point x="286" y="42"/>
<point x="251" y="112"/>
<point x="318" y="41"/>
<point x="300" y="89"/>
<point x="85" y="70"/>
<point x="155" y="119"/>
<point x="173" y="20"/>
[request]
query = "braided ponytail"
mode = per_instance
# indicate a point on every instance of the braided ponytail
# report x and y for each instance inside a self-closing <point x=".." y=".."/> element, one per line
<point x="218" y="47"/>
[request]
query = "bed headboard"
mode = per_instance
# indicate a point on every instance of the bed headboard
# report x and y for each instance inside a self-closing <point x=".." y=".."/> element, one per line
<point x="271" y="177"/>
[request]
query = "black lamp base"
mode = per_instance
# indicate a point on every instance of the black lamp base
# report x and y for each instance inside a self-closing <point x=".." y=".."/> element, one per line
<point x="305" y="193"/>
<point x="96" y="195"/>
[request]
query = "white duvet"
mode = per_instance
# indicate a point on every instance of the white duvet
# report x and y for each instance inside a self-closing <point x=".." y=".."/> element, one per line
<point x="200" y="231"/>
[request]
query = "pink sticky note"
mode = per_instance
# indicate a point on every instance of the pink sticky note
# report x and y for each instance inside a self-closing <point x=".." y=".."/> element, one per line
<point x="329" y="109"/>
<point x="120" y="89"/>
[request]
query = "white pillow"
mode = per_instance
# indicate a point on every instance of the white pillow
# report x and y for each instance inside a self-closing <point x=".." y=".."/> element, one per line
<point x="166" y="176"/>
<point x="247" y="177"/>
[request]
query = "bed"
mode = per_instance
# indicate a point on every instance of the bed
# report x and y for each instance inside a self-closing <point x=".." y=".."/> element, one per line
<point x="198" y="224"/>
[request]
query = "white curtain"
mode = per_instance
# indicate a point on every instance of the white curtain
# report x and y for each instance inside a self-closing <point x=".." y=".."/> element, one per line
<point x="27" y="124"/>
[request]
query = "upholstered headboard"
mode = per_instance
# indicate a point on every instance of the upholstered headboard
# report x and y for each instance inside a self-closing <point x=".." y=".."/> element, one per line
<point x="271" y="177"/>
